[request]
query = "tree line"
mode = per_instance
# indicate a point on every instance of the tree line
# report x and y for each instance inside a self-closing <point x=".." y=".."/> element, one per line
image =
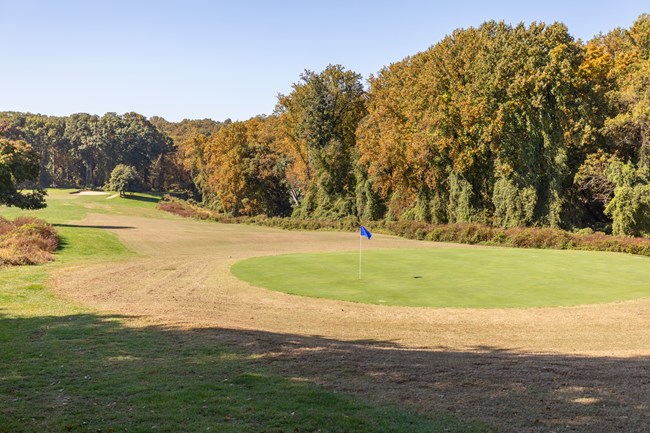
<point x="502" y="125"/>
<point x="83" y="149"/>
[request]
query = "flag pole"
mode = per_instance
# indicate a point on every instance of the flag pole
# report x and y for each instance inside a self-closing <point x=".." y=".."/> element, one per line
<point x="360" y="239"/>
<point x="362" y="232"/>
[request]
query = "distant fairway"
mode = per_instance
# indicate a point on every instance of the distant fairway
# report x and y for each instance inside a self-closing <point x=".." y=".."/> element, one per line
<point x="463" y="277"/>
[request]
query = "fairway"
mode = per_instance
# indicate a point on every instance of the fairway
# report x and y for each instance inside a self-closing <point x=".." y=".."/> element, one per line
<point x="486" y="277"/>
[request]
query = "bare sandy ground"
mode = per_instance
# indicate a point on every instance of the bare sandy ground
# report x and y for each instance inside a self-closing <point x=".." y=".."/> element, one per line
<point x="545" y="369"/>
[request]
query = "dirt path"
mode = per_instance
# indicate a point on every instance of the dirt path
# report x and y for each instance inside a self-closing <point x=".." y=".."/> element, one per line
<point x="415" y="355"/>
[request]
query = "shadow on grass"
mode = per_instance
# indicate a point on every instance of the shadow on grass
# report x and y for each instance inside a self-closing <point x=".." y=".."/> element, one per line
<point x="88" y="372"/>
<point x="514" y="391"/>
<point x="136" y="197"/>
<point x="91" y="373"/>
<point x="62" y="243"/>
<point x="105" y="227"/>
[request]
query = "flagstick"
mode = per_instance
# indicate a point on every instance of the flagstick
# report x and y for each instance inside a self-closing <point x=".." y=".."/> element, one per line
<point x="360" y="240"/>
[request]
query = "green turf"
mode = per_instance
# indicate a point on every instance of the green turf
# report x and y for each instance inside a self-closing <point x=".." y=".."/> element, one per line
<point x="64" y="368"/>
<point x="485" y="277"/>
<point x="63" y="206"/>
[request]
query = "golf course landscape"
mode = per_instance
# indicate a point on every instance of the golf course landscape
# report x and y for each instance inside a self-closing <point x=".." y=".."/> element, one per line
<point x="272" y="217"/>
<point x="144" y="322"/>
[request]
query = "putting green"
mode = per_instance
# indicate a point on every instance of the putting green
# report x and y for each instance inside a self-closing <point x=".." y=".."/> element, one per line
<point x="484" y="277"/>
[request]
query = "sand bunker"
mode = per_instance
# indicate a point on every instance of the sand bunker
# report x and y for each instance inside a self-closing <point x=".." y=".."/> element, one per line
<point x="90" y="193"/>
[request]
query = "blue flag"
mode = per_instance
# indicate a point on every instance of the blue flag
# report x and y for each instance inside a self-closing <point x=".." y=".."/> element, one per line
<point x="365" y="232"/>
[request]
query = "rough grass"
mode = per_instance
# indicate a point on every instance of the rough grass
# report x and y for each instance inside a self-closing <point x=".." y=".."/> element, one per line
<point x="456" y="277"/>
<point x="65" y="368"/>
<point x="26" y="241"/>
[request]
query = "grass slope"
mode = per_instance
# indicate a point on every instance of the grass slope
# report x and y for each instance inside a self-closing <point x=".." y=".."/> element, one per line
<point x="64" y="368"/>
<point x="463" y="277"/>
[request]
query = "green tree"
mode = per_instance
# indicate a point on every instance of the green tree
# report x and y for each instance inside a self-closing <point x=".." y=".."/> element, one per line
<point x="129" y="139"/>
<point x="124" y="178"/>
<point x="323" y="112"/>
<point x="593" y="187"/>
<point x="45" y="134"/>
<point x="19" y="165"/>
<point x="629" y="208"/>
<point x="82" y="149"/>
<point x="85" y="148"/>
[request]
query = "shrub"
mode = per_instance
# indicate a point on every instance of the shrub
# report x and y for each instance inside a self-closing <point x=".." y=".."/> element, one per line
<point x="539" y="238"/>
<point x="26" y="241"/>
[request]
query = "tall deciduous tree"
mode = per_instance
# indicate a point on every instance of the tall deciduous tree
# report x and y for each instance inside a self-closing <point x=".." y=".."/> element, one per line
<point x="185" y="165"/>
<point x="629" y="128"/>
<point x="625" y="62"/>
<point x="479" y="127"/>
<point x="322" y="114"/>
<point x="86" y="148"/>
<point x="245" y="171"/>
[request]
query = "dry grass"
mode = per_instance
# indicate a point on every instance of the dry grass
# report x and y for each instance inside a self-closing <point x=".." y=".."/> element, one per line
<point x="547" y="369"/>
<point x="26" y="241"/>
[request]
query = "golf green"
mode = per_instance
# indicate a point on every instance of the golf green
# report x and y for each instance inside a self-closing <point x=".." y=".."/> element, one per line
<point x="482" y="277"/>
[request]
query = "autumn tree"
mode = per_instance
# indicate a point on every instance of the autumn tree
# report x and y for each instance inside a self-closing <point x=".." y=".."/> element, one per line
<point x="499" y="124"/>
<point x="244" y="170"/>
<point x="626" y="54"/>
<point x="391" y="138"/>
<point x="186" y="163"/>
<point x="479" y="127"/>
<point x="629" y="127"/>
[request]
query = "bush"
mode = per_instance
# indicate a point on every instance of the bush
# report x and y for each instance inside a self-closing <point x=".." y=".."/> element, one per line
<point x="26" y="241"/>
<point x="539" y="238"/>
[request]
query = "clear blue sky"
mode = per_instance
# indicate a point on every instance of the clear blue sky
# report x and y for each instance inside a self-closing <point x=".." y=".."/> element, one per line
<point x="229" y="59"/>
